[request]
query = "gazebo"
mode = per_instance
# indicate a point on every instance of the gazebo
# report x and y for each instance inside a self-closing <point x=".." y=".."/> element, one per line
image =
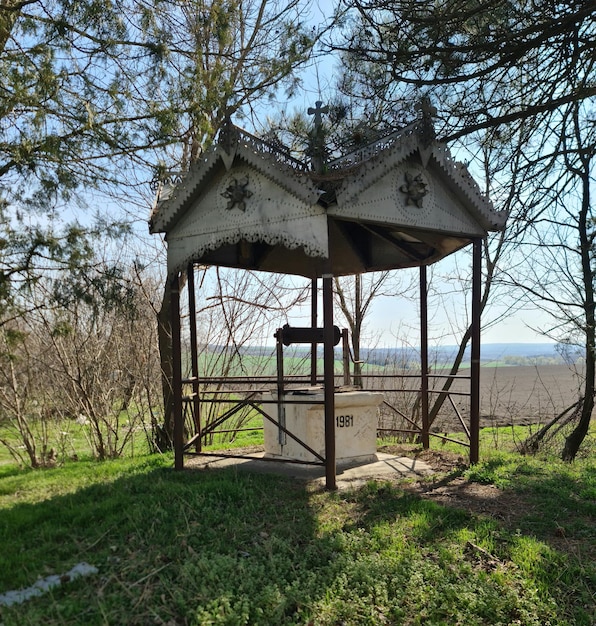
<point x="400" y="201"/>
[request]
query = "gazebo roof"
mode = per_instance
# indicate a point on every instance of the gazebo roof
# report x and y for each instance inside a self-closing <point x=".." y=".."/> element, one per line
<point x="400" y="201"/>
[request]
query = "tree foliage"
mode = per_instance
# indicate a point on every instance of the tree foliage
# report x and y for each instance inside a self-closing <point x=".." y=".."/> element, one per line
<point x="512" y="81"/>
<point x="220" y="58"/>
<point x="83" y="358"/>
<point x="488" y="62"/>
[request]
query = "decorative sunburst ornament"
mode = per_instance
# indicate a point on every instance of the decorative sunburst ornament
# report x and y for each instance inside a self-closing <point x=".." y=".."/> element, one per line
<point x="237" y="193"/>
<point x="415" y="189"/>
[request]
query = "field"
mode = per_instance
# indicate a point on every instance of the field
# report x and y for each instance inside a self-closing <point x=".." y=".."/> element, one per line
<point x="510" y="395"/>
<point x="525" y="394"/>
<point x="508" y="541"/>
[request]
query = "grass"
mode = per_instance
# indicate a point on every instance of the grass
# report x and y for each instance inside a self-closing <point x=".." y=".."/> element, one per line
<point x="225" y="547"/>
<point x="71" y="440"/>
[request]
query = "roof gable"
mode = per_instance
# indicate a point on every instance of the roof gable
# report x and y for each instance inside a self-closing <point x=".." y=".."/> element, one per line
<point x="234" y="149"/>
<point x="401" y="201"/>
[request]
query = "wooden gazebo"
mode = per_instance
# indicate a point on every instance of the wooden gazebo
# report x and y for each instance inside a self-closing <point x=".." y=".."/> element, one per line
<point x="400" y="201"/>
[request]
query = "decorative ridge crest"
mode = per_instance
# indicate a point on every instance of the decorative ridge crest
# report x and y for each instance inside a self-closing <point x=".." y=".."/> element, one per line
<point x="396" y="148"/>
<point x="277" y="164"/>
<point x="355" y="158"/>
<point x="279" y="152"/>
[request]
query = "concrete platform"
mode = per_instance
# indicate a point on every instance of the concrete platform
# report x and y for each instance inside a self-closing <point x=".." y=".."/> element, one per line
<point x="386" y="467"/>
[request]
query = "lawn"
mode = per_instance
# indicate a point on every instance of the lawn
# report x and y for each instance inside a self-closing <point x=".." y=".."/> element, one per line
<point x="226" y="547"/>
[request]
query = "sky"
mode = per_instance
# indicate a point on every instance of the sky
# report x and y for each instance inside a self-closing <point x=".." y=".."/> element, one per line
<point x="394" y="320"/>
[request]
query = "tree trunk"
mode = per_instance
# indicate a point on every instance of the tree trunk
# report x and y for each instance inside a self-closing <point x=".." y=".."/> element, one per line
<point x="357" y="330"/>
<point x="165" y="432"/>
<point x="532" y="444"/>
<point x="8" y="16"/>
<point x="577" y="436"/>
<point x="459" y="357"/>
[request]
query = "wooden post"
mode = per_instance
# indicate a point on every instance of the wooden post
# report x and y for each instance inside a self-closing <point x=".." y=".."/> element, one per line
<point x="424" y="356"/>
<point x="177" y="373"/>
<point x="329" y="359"/>
<point x="313" y="324"/>
<point x="475" y="352"/>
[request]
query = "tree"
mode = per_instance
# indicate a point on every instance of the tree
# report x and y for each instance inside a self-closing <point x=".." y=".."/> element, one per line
<point x="489" y="62"/>
<point x="580" y="168"/>
<point x="559" y="238"/>
<point x="355" y="296"/>
<point x="70" y="123"/>
<point x="224" y="58"/>
<point x="84" y="353"/>
<point x="101" y="96"/>
<point x="69" y="107"/>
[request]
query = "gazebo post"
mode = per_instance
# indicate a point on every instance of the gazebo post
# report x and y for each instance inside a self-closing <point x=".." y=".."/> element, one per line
<point x="313" y="324"/>
<point x="329" y="377"/>
<point x="176" y="373"/>
<point x="424" y="356"/>
<point x="475" y="352"/>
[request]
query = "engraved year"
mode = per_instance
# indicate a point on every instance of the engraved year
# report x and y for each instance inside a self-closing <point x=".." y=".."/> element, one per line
<point x="344" y="421"/>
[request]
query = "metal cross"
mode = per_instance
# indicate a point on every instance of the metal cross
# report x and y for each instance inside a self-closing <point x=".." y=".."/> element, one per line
<point x="318" y="113"/>
<point x="426" y="128"/>
<point x="426" y="107"/>
<point x="319" y="148"/>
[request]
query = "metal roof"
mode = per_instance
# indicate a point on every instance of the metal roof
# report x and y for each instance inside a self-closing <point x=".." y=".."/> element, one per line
<point x="400" y="201"/>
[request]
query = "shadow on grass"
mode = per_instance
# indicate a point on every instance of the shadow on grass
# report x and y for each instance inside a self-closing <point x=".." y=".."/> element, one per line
<point x="166" y="544"/>
<point x="224" y="547"/>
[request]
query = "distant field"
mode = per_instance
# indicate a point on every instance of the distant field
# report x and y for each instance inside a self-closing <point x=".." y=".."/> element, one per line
<point x="510" y="395"/>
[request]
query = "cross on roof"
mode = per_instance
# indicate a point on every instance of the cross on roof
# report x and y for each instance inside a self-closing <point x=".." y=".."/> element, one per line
<point x="319" y="138"/>
<point x="426" y="129"/>
<point x="318" y="111"/>
<point x="426" y="107"/>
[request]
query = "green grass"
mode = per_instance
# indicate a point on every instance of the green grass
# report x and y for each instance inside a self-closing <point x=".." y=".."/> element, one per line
<point x="225" y="547"/>
<point x="71" y="440"/>
<point x="242" y="438"/>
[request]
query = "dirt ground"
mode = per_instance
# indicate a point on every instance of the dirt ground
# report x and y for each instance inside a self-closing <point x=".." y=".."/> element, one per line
<point x="454" y="490"/>
<point x="526" y="394"/>
<point x="509" y="395"/>
<point x="516" y="395"/>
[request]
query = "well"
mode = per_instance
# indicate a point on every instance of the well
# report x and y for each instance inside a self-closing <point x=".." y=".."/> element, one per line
<point x="302" y="414"/>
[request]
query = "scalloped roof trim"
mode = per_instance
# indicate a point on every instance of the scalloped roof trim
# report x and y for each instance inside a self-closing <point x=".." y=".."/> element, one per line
<point x="466" y="183"/>
<point x="295" y="182"/>
<point x="373" y="169"/>
<point x="272" y="239"/>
